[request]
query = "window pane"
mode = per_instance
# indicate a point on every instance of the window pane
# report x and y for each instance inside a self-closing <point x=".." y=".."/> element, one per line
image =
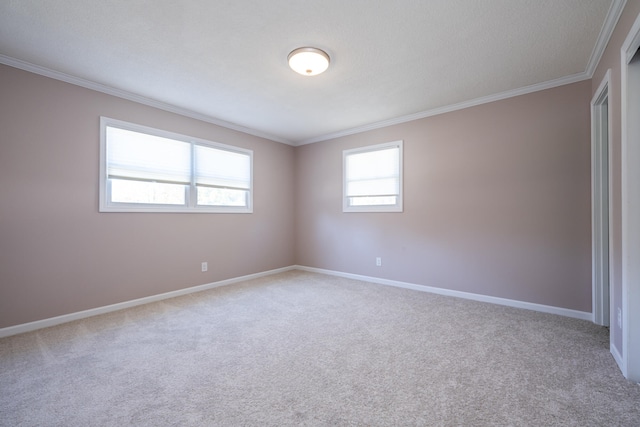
<point x="222" y="168"/>
<point x="373" y="164"/>
<point x="373" y="201"/>
<point x="374" y="187"/>
<point x="124" y="191"/>
<point x="211" y="196"/>
<point x="138" y="155"/>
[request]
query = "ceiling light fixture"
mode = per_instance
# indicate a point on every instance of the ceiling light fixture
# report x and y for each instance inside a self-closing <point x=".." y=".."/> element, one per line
<point x="308" y="61"/>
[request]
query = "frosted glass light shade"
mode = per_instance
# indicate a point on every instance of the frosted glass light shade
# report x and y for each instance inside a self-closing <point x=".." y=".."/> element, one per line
<point x="308" y="61"/>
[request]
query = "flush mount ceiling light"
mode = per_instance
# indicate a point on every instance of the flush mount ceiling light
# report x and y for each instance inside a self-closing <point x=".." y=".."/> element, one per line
<point x="308" y="61"/>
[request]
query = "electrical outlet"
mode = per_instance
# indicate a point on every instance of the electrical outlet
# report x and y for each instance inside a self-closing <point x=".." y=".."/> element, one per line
<point x="619" y="317"/>
<point x="378" y="261"/>
<point x="205" y="266"/>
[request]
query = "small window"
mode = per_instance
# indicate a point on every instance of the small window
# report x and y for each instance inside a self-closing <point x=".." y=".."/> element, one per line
<point x="373" y="178"/>
<point x="148" y="170"/>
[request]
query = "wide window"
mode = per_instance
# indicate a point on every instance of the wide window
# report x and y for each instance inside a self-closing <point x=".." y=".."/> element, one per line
<point x="148" y="170"/>
<point x="373" y="178"/>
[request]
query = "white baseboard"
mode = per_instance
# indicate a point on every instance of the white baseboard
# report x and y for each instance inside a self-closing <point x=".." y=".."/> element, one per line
<point x="441" y="291"/>
<point x="45" y="323"/>
<point x="618" y="358"/>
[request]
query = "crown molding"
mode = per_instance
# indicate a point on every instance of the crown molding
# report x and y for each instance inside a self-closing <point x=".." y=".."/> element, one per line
<point x="454" y="107"/>
<point x="98" y="87"/>
<point x="615" y="11"/>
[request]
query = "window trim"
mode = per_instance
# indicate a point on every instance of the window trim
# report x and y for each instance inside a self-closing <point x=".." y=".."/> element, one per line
<point x="105" y="204"/>
<point x="399" y="206"/>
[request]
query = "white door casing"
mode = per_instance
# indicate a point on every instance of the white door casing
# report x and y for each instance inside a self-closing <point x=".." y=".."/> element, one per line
<point x="630" y="146"/>
<point x="600" y="206"/>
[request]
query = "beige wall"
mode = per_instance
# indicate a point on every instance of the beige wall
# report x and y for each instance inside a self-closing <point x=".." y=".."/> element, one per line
<point x="611" y="60"/>
<point x="497" y="202"/>
<point x="58" y="255"/>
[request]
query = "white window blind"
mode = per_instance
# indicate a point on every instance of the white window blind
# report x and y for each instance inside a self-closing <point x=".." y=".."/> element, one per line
<point x="139" y="156"/>
<point x="373" y="178"/>
<point x="375" y="173"/>
<point x="221" y="168"/>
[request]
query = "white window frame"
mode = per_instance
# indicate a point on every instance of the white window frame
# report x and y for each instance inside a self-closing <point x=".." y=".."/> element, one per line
<point x="106" y="205"/>
<point x="398" y="207"/>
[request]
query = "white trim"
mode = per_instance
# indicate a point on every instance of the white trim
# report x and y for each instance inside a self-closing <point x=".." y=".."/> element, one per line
<point x="628" y="49"/>
<point x="53" y="321"/>
<point x="616" y="355"/>
<point x="600" y="192"/>
<point x="36" y="69"/>
<point x="583" y="315"/>
<point x="615" y="11"/>
<point x="98" y="87"/>
<point x="449" y="108"/>
<point x="630" y="147"/>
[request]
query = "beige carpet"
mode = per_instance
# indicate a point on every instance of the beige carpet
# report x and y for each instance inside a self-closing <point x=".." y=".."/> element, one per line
<point x="302" y="349"/>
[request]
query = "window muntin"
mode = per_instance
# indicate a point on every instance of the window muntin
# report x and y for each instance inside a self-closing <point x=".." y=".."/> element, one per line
<point x="148" y="170"/>
<point x="373" y="178"/>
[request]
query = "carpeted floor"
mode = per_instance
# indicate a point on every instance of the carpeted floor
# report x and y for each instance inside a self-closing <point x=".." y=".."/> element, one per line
<point x="303" y="349"/>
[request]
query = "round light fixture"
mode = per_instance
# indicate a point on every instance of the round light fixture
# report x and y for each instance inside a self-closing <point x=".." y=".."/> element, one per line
<point x="308" y="61"/>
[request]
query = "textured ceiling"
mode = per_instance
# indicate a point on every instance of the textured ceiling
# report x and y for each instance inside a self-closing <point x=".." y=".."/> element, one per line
<point x="226" y="60"/>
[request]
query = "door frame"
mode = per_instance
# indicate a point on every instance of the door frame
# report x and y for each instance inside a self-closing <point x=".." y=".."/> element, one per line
<point x="601" y="137"/>
<point x="630" y="162"/>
